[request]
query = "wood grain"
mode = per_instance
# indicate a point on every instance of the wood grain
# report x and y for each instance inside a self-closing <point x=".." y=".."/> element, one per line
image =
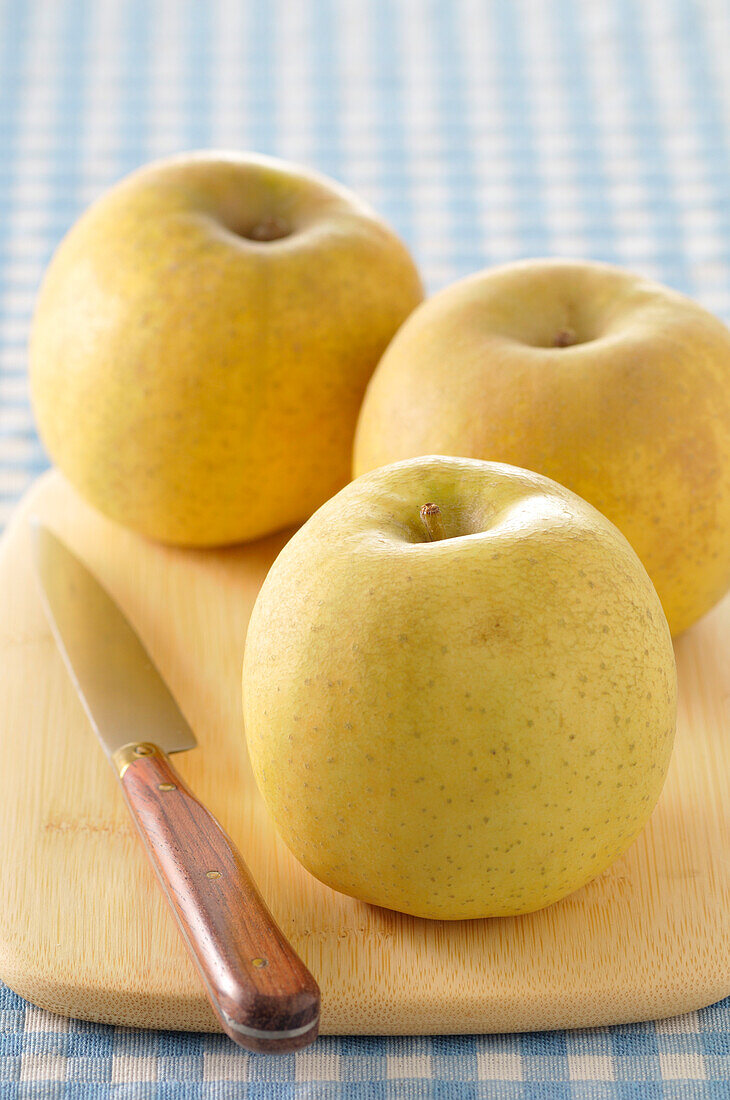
<point x="264" y="996"/>
<point x="84" y="930"/>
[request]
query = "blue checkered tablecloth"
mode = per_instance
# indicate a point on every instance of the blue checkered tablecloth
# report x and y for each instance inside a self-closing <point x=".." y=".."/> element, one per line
<point x="485" y="130"/>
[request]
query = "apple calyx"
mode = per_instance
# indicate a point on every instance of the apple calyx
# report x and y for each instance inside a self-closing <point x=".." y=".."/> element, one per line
<point x="432" y="522"/>
<point x="270" y="229"/>
<point x="565" y="338"/>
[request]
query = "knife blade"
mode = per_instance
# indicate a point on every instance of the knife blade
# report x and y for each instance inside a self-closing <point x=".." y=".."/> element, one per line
<point x="261" y="991"/>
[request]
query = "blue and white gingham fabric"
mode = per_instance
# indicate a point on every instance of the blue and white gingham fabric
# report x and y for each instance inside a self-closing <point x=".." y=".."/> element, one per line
<point x="485" y="130"/>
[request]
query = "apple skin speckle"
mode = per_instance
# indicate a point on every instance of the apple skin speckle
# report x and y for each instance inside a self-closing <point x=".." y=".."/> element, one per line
<point x="518" y="749"/>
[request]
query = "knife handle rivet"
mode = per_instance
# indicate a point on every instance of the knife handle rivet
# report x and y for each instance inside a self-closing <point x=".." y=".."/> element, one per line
<point x="166" y="787"/>
<point x="259" y="963"/>
<point x="212" y="874"/>
<point x="143" y="750"/>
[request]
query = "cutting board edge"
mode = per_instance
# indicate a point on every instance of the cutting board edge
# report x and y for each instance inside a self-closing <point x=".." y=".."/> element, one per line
<point x="87" y="1005"/>
<point x="23" y="506"/>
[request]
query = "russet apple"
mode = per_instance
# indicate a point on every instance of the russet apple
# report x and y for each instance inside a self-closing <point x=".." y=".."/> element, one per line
<point x="459" y="690"/>
<point x="202" y="342"/>
<point x="611" y="384"/>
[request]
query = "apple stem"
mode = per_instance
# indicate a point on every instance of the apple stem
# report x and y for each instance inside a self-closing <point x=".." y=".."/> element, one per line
<point x="432" y="522"/>
<point x="565" y="338"/>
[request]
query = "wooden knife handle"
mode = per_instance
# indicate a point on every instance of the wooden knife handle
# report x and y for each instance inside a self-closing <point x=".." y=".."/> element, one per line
<point x="261" y="991"/>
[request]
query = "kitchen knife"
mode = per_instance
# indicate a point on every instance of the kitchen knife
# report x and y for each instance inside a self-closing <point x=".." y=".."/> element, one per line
<point x="261" y="991"/>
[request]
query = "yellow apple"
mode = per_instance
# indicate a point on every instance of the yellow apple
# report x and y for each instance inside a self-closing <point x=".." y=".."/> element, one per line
<point x="465" y="715"/>
<point x="611" y="384"/>
<point x="203" y="339"/>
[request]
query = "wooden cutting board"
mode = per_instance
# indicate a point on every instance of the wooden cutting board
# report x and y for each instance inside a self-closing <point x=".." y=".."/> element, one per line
<point x="84" y="931"/>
